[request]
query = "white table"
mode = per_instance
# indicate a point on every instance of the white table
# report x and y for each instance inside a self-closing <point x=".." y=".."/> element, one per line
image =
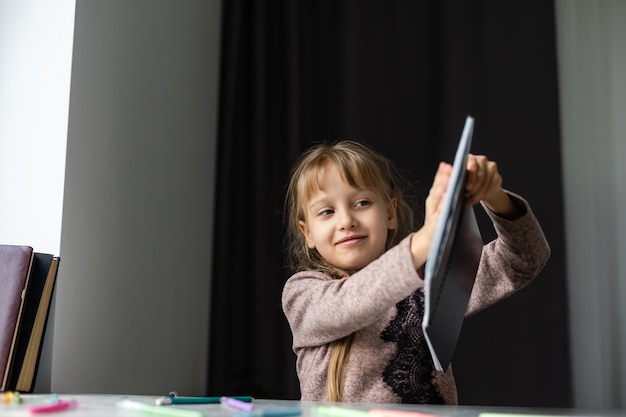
<point x="105" y="405"/>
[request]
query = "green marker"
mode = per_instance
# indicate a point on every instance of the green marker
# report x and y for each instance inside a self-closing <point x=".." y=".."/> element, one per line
<point x="333" y="411"/>
<point x="515" y="415"/>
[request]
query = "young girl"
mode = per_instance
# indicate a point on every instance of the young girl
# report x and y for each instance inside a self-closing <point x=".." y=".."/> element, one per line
<point x="355" y="302"/>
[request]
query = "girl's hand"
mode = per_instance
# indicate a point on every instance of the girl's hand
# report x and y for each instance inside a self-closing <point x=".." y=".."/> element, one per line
<point x="420" y="242"/>
<point x="484" y="183"/>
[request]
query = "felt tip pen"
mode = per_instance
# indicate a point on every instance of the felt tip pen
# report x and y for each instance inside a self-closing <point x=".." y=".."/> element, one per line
<point x="199" y="400"/>
<point x="270" y="412"/>
<point x="155" y="409"/>
<point x="236" y="404"/>
<point x="398" y="413"/>
<point x="334" y="411"/>
<point x="486" y="414"/>
<point x="50" y="408"/>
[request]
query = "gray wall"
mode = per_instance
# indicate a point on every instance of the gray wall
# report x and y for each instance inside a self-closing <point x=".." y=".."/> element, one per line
<point x="592" y="76"/>
<point x="132" y="301"/>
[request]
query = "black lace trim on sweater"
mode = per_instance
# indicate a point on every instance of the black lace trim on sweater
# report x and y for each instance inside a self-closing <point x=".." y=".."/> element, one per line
<point x="410" y="373"/>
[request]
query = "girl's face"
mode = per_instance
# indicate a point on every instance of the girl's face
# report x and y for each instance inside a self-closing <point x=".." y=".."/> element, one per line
<point x="348" y="226"/>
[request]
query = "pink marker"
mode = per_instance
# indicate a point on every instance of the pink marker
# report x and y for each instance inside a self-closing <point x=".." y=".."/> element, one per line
<point x="50" y="408"/>
<point x="398" y="413"/>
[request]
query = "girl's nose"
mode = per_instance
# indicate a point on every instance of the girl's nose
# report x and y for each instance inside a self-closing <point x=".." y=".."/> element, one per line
<point x="347" y="220"/>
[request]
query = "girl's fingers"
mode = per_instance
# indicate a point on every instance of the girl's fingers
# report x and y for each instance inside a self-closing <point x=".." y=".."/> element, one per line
<point x="441" y="180"/>
<point x="476" y="172"/>
<point x="483" y="178"/>
<point x="437" y="191"/>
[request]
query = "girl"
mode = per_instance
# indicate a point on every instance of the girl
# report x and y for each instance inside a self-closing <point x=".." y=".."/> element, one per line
<point x="355" y="301"/>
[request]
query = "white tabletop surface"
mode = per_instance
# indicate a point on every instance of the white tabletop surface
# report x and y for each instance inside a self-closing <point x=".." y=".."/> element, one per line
<point x="91" y="405"/>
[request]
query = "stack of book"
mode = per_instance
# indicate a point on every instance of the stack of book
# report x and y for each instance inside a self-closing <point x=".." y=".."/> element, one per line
<point x="27" y="280"/>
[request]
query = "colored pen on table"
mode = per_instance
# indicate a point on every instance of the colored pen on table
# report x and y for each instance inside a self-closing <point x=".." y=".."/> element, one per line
<point x="270" y="412"/>
<point x="198" y="400"/>
<point x="155" y="409"/>
<point x="334" y="411"/>
<point x="398" y="413"/>
<point x="50" y="408"/>
<point x="488" y="414"/>
<point x="236" y="404"/>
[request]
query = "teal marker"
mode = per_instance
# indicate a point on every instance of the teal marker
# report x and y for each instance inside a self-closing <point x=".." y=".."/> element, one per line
<point x="270" y="412"/>
<point x="169" y="400"/>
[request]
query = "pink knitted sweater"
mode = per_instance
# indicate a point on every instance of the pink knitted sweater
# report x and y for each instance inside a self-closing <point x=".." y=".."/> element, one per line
<point x="382" y="304"/>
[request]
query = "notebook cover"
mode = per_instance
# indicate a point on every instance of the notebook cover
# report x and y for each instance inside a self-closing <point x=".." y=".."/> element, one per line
<point x="452" y="263"/>
<point x="15" y="262"/>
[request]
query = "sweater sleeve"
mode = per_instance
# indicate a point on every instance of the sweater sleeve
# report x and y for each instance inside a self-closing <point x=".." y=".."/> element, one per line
<point x="512" y="260"/>
<point x="320" y="309"/>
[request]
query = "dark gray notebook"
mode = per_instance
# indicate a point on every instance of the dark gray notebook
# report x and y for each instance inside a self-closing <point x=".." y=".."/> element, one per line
<point x="450" y="270"/>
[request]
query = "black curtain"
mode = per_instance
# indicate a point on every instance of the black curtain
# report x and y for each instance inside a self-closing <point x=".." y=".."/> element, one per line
<point x="400" y="75"/>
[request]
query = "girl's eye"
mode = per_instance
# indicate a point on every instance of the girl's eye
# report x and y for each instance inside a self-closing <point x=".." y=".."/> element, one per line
<point x="326" y="212"/>
<point x="362" y="203"/>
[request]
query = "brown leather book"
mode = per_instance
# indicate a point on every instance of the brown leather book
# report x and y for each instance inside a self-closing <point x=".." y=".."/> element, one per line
<point x="15" y="264"/>
<point x="27" y="349"/>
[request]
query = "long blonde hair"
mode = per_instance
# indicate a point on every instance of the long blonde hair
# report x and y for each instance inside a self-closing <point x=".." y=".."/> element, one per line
<point x="360" y="166"/>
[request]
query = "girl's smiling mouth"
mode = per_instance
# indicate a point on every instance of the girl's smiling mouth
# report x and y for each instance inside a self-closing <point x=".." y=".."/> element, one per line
<point x="350" y="240"/>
